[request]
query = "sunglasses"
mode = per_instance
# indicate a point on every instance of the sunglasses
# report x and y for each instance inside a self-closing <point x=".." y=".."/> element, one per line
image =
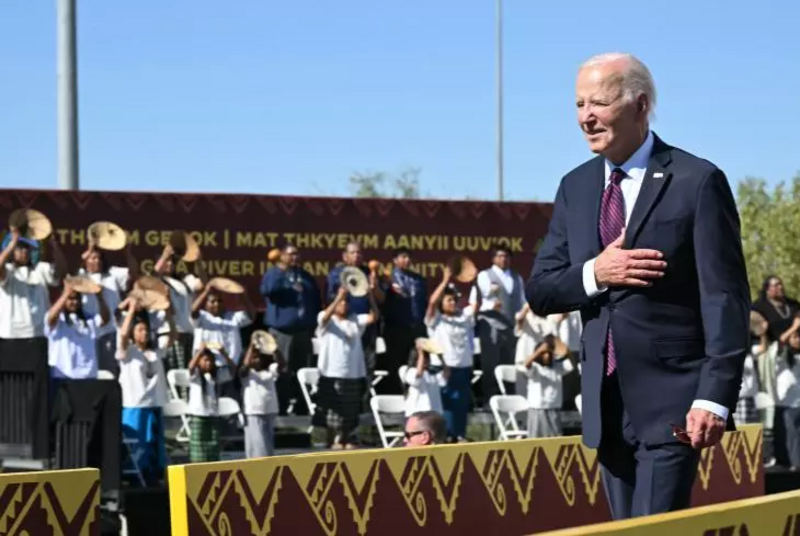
<point x="681" y="434"/>
<point x="409" y="435"/>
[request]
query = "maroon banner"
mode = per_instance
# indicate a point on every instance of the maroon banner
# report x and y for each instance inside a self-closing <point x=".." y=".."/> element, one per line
<point x="236" y="232"/>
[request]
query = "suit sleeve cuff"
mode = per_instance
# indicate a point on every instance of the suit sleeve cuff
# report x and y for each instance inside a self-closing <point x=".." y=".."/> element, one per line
<point x="713" y="407"/>
<point x="589" y="282"/>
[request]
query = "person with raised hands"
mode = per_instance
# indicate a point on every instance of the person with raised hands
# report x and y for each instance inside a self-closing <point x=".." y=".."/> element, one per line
<point x="115" y="282"/>
<point x="342" y="369"/>
<point x="71" y="334"/>
<point x="142" y="381"/>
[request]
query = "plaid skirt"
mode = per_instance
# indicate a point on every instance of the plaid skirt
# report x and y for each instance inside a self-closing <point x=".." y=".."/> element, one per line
<point x="178" y="356"/>
<point x="338" y="403"/>
<point x="204" y="439"/>
<point x="746" y="411"/>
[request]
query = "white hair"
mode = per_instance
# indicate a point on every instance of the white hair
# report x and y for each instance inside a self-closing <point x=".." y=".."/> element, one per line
<point x="636" y="77"/>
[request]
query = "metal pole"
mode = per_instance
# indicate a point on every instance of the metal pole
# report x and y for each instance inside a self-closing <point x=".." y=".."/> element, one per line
<point x="499" y="89"/>
<point x="67" y="89"/>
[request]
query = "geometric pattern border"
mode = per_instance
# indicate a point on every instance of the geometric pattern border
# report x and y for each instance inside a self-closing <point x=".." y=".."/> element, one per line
<point x="514" y="487"/>
<point x="57" y="503"/>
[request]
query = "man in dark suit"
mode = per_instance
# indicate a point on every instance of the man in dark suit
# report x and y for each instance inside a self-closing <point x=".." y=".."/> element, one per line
<point x="645" y="242"/>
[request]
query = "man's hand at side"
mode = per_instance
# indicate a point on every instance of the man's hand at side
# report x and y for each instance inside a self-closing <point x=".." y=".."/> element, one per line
<point x="616" y="267"/>
<point x="704" y="428"/>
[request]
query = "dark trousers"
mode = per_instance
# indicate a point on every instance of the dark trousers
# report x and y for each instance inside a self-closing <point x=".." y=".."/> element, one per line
<point x="297" y="349"/>
<point x="790" y="436"/>
<point x="368" y="342"/>
<point x="400" y="340"/>
<point x="498" y="347"/>
<point x="641" y="480"/>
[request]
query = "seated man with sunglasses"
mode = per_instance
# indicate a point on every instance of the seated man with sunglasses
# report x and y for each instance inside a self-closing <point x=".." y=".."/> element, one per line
<point x="425" y="428"/>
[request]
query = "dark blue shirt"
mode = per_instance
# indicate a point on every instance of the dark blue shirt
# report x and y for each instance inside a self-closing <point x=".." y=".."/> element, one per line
<point x="409" y="308"/>
<point x="288" y="309"/>
<point x="356" y="305"/>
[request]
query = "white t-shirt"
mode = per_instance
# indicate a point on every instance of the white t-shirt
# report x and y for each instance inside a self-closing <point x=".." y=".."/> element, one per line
<point x="340" y="352"/>
<point x="202" y="402"/>
<point x="224" y="330"/>
<point x="71" y="348"/>
<point x="424" y="392"/>
<point x="455" y="334"/>
<point x="25" y="299"/>
<point x="141" y="377"/>
<point x="534" y="330"/>
<point x="545" y="388"/>
<point x="258" y="391"/>
<point x="182" y="296"/>
<point x="114" y="283"/>
<point x="749" y="388"/>
<point x="569" y="331"/>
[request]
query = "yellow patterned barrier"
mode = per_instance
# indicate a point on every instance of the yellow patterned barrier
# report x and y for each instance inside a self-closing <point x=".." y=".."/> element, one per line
<point x="511" y="488"/>
<point x="774" y="515"/>
<point x="55" y="503"/>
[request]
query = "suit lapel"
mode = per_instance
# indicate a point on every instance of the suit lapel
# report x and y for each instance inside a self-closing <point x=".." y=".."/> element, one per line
<point x="594" y="197"/>
<point x="655" y="180"/>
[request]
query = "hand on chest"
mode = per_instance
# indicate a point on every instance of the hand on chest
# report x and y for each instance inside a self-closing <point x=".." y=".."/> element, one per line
<point x="655" y="214"/>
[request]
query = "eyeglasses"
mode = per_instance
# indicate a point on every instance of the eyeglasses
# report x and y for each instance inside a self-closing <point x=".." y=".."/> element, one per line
<point x="409" y="435"/>
<point x="680" y="434"/>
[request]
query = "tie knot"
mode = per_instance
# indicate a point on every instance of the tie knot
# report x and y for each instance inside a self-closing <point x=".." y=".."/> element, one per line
<point x="616" y="176"/>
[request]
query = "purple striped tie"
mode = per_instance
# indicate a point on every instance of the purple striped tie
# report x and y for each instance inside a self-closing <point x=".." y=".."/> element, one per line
<point x="612" y="220"/>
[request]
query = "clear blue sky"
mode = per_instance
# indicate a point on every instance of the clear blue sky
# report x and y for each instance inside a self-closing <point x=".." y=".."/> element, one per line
<point x="291" y="96"/>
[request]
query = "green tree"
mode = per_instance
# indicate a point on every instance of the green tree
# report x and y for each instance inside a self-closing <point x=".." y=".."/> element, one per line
<point x="404" y="184"/>
<point x="771" y="232"/>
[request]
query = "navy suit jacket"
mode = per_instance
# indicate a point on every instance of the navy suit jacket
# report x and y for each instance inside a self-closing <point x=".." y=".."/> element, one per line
<point x="685" y="337"/>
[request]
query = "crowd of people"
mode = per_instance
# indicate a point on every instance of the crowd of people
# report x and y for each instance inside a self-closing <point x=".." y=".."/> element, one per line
<point x="430" y="339"/>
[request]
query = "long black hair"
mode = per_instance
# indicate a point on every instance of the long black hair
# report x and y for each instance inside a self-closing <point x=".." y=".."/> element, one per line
<point x="762" y="294"/>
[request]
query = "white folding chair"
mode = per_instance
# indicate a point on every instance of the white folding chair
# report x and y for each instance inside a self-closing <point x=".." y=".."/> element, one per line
<point x="178" y="408"/>
<point x="510" y="404"/>
<point x="402" y="373"/>
<point x="178" y="378"/>
<point x="380" y="346"/>
<point x="134" y="452"/>
<point x="309" y="381"/>
<point x="379" y="375"/>
<point x="476" y="376"/>
<point x="227" y="407"/>
<point x="105" y="375"/>
<point x="390" y="405"/>
<point x="503" y="374"/>
<point x="764" y="401"/>
<point x="579" y="405"/>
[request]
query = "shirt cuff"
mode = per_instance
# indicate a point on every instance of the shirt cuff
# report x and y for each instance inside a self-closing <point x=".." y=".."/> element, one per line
<point x="589" y="282"/>
<point x="713" y="407"/>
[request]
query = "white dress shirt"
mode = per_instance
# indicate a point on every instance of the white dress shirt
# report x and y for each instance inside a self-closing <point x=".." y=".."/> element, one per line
<point x="484" y="285"/>
<point x="635" y="169"/>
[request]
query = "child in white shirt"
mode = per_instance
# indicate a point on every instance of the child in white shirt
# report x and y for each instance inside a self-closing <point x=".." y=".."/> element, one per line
<point x="203" y="405"/>
<point x="545" y="368"/>
<point x="342" y="368"/>
<point x="144" y="393"/>
<point x="213" y="325"/>
<point x="787" y="395"/>
<point x="453" y="329"/>
<point x="530" y="330"/>
<point x="258" y="373"/>
<point x="71" y="337"/>
<point x="181" y="296"/>
<point x="425" y="376"/>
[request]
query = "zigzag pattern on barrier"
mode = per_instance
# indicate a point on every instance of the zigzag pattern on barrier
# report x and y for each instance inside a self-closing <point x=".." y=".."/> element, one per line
<point x="507" y="472"/>
<point x="35" y="507"/>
